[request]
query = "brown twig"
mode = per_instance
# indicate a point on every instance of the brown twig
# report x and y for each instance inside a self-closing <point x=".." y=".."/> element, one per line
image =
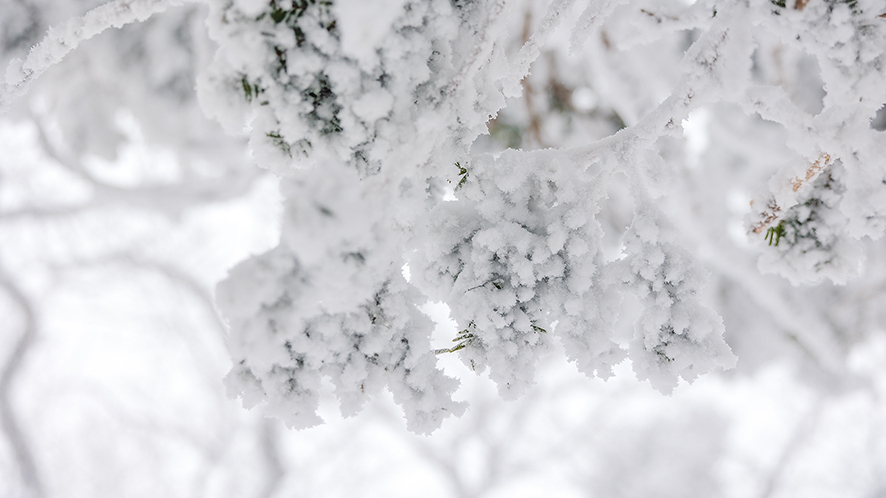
<point x="773" y="211"/>
<point x="823" y="160"/>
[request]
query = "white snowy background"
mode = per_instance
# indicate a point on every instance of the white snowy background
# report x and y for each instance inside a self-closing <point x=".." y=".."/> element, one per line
<point x="122" y="206"/>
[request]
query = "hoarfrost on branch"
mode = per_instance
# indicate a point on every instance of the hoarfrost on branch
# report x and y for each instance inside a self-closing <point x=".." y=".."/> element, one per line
<point x="370" y="113"/>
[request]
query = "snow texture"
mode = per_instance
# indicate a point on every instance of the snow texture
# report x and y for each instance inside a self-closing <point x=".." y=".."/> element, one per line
<point x="327" y="112"/>
<point x="518" y="252"/>
<point x="676" y="335"/>
<point x="367" y="110"/>
<point x="824" y="203"/>
<point x="358" y="127"/>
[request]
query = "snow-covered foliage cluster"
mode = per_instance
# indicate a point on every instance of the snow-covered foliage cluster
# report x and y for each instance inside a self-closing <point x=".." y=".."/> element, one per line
<point x="844" y="155"/>
<point x="518" y="258"/>
<point x="517" y="255"/>
<point x="676" y="335"/>
<point x="331" y="301"/>
<point x="357" y="165"/>
<point x="373" y="115"/>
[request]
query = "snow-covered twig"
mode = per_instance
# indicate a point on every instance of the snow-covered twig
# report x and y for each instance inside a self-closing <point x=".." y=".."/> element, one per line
<point x="773" y="210"/>
<point x="62" y="39"/>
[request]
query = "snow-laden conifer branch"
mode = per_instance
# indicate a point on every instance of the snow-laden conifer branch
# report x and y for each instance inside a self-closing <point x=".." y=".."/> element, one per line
<point x="829" y="196"/>
<point x="775" y="206"/>
<point x="518" y="256"/>
<point x="369" y="123"/>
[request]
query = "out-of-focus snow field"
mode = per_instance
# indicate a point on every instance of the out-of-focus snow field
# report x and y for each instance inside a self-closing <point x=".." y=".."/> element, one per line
<point x="121" y="394"/>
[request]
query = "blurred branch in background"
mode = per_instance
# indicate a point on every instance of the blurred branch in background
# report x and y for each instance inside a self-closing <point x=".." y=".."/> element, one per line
<point x="9" y="374"/>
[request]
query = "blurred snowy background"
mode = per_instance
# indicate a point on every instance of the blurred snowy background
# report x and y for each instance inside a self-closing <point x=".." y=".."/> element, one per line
<point x="121" y="206"/>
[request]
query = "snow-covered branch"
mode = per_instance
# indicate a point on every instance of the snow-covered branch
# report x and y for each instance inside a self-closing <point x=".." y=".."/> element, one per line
<point x="61" y="40"/>
<point x="375" y="129"/>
